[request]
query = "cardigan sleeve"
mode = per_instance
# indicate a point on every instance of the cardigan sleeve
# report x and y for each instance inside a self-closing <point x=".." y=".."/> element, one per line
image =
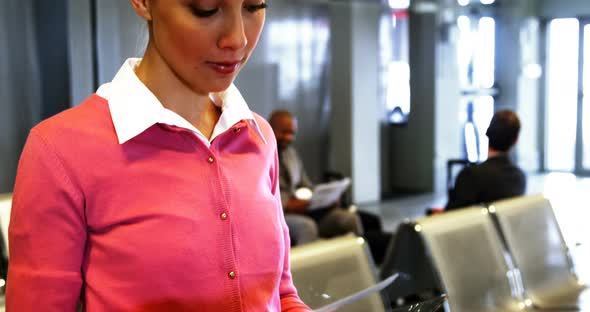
<point x="47" y="233"/>
<point x="290" y="301"/>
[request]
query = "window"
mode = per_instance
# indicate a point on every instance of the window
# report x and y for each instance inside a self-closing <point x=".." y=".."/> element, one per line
<point x="395" y="65"/>
<point x="562" y="93"/>
<point x="475" y="60"/>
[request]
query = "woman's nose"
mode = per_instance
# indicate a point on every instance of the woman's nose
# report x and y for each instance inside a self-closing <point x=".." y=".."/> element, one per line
<point x="234" y="33"/>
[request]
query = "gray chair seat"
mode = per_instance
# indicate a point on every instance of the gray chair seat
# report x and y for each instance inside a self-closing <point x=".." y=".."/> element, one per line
<point x="512" y="307"/>
<point x="329" y="270"/>
<point x="568" y="298"/>
<point x="533" y="237"/>
<point x="471" y="262"/>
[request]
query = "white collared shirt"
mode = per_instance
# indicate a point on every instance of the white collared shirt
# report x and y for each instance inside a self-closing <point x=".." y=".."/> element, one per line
<point x="134" y="108"/>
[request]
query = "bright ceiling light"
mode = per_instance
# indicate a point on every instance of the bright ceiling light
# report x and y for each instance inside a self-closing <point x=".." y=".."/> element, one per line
<point x="486" y="2"/>
<point x="463" y="2"/>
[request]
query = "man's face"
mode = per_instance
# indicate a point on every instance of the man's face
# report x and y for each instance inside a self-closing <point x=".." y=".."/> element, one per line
<point x="285" y="129"/>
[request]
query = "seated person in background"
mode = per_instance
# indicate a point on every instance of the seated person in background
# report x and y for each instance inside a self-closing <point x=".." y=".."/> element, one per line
<point x="497" y="177"/>
<point x="327" y="222"/>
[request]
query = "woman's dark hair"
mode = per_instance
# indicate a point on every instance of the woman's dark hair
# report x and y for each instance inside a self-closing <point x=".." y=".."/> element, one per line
<point x="503" y="130"/>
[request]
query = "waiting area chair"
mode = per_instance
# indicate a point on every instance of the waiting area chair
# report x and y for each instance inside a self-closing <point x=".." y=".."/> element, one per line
<point x="407" y="254"/>
<point x="458" y="253"/>
<point x="328" y="270"/>
<point x="472" y="265"/>
<point x="535" y="241"/>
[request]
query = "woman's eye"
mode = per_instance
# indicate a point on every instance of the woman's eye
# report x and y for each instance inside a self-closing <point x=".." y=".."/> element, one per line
<point x="203" y="13"/>
<point x="255" y="7"/>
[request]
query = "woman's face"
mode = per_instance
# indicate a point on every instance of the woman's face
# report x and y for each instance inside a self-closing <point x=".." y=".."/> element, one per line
<point x="205" y="42"/>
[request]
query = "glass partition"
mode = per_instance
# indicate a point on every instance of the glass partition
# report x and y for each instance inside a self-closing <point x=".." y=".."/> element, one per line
<point x="394" y="41"/>
<point x="476" y="63"/>
<point x="586" y="100"/>
<point x="562" y="94"/>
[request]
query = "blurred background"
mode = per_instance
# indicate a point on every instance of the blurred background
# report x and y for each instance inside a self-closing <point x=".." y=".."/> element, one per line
<point x="385" y="91"/>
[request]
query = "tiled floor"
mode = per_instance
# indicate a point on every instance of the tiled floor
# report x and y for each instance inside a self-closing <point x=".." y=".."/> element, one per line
<point x="569" y="195"/>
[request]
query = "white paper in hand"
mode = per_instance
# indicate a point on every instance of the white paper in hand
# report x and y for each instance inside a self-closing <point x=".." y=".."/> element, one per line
<point x="327" y="194"/>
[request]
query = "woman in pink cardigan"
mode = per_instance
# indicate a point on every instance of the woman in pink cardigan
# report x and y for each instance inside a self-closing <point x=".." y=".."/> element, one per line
<point x="160" y="191"/>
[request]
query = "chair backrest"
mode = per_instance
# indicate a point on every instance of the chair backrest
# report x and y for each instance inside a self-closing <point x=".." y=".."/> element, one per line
<point x="471" y="262"/>
<point x="5" y="207"/>
<point x="533" y="237"/>
<point x="407" y="254"/>
<point x="329" y="270"/>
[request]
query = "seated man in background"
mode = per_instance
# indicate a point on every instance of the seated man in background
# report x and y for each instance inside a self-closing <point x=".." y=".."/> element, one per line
<point x="330" y="221"/>
<point x="497" y="177"/>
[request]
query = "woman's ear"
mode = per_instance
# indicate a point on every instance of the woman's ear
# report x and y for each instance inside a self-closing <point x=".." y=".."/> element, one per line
<point x="142" y="8"/>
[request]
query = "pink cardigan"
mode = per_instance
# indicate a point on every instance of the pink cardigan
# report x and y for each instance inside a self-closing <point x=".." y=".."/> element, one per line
<point x="159" y="223"/>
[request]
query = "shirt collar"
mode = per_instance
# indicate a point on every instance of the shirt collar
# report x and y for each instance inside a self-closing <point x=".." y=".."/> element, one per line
<point x="134" y="108"/>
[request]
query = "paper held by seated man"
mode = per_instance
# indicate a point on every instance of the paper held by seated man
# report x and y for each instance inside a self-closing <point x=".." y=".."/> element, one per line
<point x="325" y="194"/>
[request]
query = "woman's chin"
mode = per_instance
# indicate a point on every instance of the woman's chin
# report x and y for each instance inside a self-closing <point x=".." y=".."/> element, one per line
<point x="213" y="86"/>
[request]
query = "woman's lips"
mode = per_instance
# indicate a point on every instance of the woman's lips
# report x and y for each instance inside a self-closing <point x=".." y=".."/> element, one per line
<point x="224" y="68"/>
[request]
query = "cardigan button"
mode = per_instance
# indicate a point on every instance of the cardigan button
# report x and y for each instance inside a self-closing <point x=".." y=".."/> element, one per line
<point x="223" y="216"/>
<point x="231" y="275"/>
<point x="210" y="159"/>
<point x="237" y="130"/>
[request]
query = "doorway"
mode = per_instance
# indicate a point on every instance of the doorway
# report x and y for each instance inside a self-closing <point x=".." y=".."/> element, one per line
<point x="567" y="135"/>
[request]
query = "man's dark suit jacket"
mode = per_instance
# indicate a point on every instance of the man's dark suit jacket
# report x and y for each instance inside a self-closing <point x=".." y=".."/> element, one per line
<point x="494" y="179"/>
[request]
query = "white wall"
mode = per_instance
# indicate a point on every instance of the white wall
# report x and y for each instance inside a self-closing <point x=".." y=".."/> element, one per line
<point x="448" y="128"/>
<point x="355" y="129"/>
